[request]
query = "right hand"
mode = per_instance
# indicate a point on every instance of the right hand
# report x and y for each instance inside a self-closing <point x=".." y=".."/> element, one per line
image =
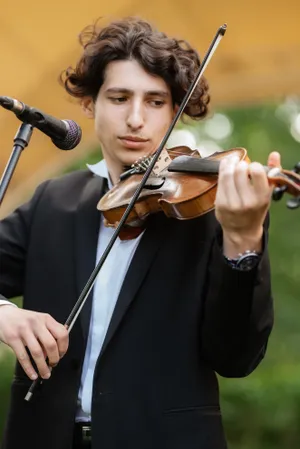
<point x="39" y="332"/>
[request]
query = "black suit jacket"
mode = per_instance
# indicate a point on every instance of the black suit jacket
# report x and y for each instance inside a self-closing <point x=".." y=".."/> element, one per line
<point x="182" y="315"/>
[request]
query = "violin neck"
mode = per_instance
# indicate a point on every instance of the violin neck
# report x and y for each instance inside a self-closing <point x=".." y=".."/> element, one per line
<point x="276" y="176"/>
<point x="201" y="166"/>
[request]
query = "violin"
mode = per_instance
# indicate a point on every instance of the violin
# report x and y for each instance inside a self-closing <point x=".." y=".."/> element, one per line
<point x="184" y="189"/>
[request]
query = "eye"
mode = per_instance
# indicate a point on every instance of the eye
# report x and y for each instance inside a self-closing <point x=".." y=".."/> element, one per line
<point x="157" y="103"/>
<point x="118" y="99"/>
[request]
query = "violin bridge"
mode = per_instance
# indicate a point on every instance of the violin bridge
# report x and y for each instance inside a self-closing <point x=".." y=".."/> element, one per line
<point x="162" y="162"/>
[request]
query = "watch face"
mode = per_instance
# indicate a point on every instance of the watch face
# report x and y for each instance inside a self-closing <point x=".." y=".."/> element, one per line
<point x="248" y="261"/>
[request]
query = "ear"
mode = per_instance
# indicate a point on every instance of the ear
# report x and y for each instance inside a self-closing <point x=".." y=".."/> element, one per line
<point x="88" y="107"/>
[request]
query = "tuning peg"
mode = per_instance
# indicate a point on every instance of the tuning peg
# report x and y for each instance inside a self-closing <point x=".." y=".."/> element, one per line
<point x="278" y="193"/>
<point x="293" y="203"/>
<point x="296" y="168"/>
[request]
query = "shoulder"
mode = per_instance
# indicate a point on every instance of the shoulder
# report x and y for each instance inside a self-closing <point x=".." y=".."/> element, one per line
<point x="64" y="191"/>
<point x="69" y="184"/>
<point x="70" y="180"/>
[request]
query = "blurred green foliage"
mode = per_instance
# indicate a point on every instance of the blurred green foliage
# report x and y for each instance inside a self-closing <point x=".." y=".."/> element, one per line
<point x="261" y="411"/>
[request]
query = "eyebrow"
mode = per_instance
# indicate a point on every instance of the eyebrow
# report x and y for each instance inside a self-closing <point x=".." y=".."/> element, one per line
<point x="122" y="90"/>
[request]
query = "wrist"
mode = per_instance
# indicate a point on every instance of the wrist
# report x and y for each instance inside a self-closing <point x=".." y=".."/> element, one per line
<point x="236" y="243"/>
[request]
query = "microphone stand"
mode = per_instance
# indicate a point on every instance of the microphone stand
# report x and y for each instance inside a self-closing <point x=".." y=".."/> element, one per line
<point x="90" y="283"/>
<point x="21" y="141"/>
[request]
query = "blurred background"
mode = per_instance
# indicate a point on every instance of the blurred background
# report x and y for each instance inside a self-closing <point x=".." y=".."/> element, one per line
<point x="255" y="87"/>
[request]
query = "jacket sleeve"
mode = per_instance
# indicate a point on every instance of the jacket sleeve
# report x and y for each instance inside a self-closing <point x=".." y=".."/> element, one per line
<point x="238" y="313"/>
<point x="14" y="241"/>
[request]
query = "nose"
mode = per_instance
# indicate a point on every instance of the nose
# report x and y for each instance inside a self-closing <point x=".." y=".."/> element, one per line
<point x="135" y="118"/>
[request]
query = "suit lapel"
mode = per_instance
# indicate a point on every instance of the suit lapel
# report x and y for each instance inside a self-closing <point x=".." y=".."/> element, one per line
<point x="86" y="240"/>
<point x="137" y="271"/>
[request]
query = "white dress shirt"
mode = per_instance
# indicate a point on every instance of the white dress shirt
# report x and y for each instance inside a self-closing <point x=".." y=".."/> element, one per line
<point x="106" y="291"/>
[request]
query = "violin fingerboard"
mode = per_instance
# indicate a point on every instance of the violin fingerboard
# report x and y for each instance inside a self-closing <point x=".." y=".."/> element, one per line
<point x="187" y="164"/>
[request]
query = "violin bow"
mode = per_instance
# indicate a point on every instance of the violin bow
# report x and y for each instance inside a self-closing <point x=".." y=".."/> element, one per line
<point x="90" y="283"/>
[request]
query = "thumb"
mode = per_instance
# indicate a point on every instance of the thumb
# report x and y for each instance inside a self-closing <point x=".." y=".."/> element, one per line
<point x="274" y="159"/>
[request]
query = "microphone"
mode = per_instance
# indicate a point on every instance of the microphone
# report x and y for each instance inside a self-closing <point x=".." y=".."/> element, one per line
<point x="65" y="134"/>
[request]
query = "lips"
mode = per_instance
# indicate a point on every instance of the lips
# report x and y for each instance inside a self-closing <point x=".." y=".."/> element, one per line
<point x="133" y="141"/>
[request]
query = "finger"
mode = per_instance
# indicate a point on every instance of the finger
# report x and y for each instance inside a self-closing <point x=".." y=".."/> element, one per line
<point x="243" y="183"/>
<point x="37" y="354"/>
<point x="49" y="346"/>
<point x="60" y="333"/>
<point x="226" y="192"/>
<point x="21" y="354"/>
<point x="260" y="182"/>
<point x="274" y="159"/>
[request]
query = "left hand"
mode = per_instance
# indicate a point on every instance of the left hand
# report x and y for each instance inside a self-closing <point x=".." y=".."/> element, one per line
<point x="242" y="201"/>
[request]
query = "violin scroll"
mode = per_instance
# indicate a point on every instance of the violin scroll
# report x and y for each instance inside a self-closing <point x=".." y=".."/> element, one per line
<point x="291" y="177"/>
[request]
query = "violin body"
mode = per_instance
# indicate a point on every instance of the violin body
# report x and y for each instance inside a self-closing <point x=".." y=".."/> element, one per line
<point x="183" y="196"/>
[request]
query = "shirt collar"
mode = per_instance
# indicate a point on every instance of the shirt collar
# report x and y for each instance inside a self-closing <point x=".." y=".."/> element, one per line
<point x="100" y="169"/>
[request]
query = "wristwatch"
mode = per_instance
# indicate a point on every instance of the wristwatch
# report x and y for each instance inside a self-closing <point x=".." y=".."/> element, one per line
<point x="245" y="261"/>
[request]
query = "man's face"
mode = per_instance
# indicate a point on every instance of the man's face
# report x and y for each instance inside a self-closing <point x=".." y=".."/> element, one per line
<point x="132" y="113"/>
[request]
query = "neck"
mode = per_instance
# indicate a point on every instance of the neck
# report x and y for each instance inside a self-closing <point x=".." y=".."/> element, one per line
<point x="114" y="176"/>
<point x="114" y="170"/>
<point x="114" y="166"/>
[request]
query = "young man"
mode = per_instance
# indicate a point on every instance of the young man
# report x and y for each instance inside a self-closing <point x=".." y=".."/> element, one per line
<point x="169" y="309"/>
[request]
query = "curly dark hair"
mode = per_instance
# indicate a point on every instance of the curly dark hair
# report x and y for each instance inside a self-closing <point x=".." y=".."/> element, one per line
<point x="175" y="61"/>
